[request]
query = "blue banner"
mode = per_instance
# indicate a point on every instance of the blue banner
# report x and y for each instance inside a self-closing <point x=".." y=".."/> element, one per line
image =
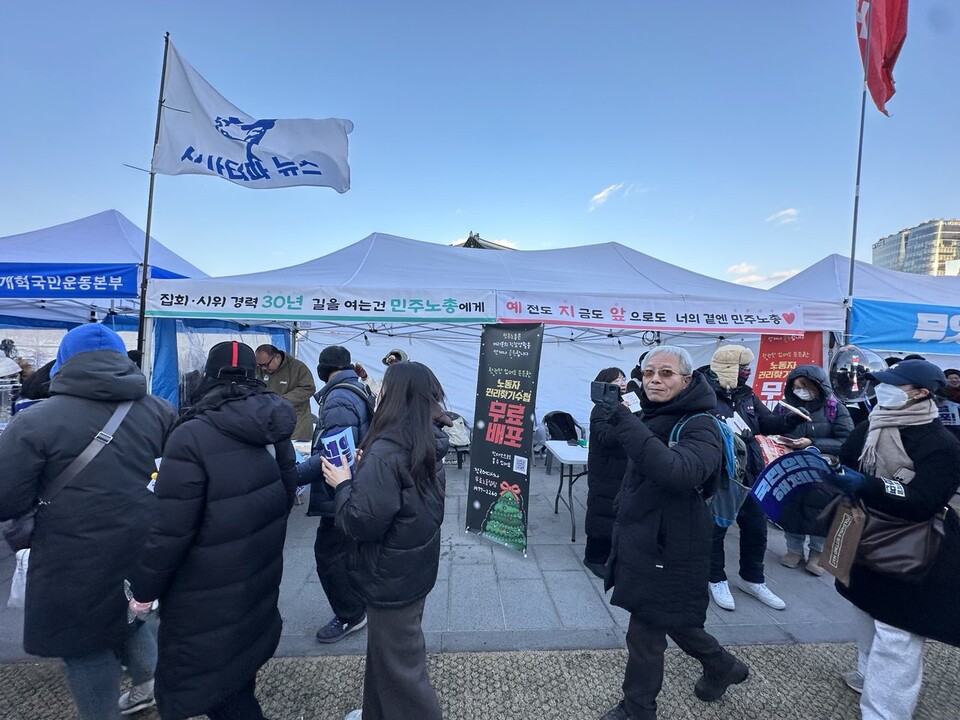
<point x="906" y="327"/>
<point x="76" y="280"/>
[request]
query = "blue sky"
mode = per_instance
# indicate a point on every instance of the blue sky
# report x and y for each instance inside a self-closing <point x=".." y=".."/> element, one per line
<point x="715" y="136"/>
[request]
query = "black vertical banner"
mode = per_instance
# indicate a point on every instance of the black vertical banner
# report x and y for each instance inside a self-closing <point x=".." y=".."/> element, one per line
<point x="502" y="445"/>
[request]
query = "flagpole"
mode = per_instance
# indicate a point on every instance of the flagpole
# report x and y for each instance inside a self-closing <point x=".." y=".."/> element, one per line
<point x="141" y="326"/>
<point x="856" y="192"/>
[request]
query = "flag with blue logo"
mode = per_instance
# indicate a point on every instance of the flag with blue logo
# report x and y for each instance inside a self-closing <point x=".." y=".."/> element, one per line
<point x="203" y="133"/>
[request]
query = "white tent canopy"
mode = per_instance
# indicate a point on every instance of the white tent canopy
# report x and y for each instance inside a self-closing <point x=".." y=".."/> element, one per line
<point x="487" y="286"/>
<point x="828" y="280"/>
<point x="389" y="280"/>
<point x="891" y="310"/>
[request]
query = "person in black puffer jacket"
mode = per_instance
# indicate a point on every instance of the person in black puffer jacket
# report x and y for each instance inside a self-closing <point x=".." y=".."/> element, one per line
<point x="87" y="538"/>
<point x="392" y="508"/>
<point x="606" y="462"/>
<point x="909" y="468"/>
<point x="214" y="556"/>
<point x="807" y="388"/>
<point x="660" y="556"/>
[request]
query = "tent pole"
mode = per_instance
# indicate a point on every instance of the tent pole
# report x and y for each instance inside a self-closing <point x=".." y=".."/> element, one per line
<point x="145" y="267"/>
<point x="856" y="192"/>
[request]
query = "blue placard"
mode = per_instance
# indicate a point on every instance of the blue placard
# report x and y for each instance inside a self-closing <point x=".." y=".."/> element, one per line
<point x="784" y="488"/>
<point x="906" y="327"/>
<point x="75" y="280"/>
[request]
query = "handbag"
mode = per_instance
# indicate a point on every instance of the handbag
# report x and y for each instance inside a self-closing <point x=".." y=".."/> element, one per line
<point x="20" y="531"/>
<point x="842" y="540"/>
<point x="904" y="549"/>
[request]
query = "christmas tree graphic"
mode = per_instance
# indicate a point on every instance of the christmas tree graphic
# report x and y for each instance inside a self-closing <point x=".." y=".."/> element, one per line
<point x="504" y="522"/>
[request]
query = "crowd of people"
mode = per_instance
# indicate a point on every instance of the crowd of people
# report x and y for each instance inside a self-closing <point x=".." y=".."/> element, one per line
<point x="185" y="516"/>
<point x="666" y="553"/>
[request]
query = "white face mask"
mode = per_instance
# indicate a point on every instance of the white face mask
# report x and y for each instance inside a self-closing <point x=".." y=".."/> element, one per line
<point x="803" y="394"/>
<point x="890" y="396"/>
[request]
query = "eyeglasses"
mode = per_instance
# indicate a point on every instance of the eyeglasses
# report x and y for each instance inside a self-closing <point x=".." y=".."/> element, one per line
<point x="665" y="373"/>
<point x="264" y="366"/>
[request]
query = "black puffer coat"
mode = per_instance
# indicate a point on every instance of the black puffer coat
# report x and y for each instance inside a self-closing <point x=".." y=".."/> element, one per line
<point x="214" y="557"/>
<point x="660" y="561"/>
<point x="397" y="529"/>
<point x="928" y="608"/>
<point x="606" y="463"/>
<point x="87" y="539"/>
<point x="830" y="421"/>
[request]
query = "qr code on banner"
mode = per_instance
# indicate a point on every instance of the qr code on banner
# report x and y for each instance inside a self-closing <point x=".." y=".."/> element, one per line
<point x="519" y="464"/>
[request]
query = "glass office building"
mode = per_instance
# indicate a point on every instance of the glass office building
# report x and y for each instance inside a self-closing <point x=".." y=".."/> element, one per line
<point x="932" y="248"/>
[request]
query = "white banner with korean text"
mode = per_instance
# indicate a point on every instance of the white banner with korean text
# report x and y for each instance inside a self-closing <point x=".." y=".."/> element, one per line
<point x="622" y="312"/>
<point x="199" y="299"/>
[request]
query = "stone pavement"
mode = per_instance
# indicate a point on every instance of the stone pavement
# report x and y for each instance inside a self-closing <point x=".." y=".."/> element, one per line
<point x="491" y="598"/>
<point x="532" y="637"/>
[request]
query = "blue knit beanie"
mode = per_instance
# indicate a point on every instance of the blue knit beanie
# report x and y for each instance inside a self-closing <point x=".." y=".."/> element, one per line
<point x="87" y="338"/>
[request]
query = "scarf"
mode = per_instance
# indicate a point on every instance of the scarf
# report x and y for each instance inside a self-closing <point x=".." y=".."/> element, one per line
<point x="883" y="454"/>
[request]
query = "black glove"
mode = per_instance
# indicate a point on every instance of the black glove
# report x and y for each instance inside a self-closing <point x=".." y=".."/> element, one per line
<point x="746" y="435"/>
<point x="613" y="411"/>
<point x="792" y="420"/>
<point x="848" y="481"/>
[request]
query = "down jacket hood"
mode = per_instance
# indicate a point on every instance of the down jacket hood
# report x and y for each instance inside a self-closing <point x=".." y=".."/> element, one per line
<point x="814" y="374"/>
<point x="259" y="418"/>
<point x="100" y="375"/>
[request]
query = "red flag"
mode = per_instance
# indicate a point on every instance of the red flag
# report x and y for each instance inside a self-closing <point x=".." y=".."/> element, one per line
<point x="887" y="21"/>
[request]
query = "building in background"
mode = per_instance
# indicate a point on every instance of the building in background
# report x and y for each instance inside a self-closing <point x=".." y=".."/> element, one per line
<point x="931" y="248"/>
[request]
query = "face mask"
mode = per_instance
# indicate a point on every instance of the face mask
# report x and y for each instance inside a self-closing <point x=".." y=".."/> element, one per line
<point x="890" y="396"/>
<point x="803" y="394"/>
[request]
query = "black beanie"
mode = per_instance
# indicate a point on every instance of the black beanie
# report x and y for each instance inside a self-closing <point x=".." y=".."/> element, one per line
<point x="332" y="358"/>
<point x="231" y="358"/>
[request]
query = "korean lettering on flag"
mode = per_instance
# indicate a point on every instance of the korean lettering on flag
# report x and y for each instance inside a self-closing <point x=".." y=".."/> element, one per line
<point x="203" y="133"/>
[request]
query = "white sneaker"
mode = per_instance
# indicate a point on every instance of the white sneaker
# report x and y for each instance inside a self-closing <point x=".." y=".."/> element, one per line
<point x="854" y="680"/>
<point x="762" y="593"/>
<point x="720" y="592"/>
<point x="137" y="698"/>
<point x="354" y="714"/>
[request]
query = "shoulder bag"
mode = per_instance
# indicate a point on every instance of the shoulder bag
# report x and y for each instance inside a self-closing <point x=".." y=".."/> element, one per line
<point x="20" y="532"/>
<point x="903" y="549"/>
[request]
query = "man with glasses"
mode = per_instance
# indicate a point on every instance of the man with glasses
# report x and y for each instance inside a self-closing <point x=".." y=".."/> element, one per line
<point x="660" y="556"/>
<point x="292" y="380"/>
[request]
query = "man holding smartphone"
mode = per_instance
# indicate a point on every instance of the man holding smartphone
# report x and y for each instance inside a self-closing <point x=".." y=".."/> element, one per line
<point x="661" y="577"/>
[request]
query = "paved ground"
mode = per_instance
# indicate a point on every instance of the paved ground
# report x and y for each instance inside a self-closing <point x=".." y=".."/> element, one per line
<point x="489" y="598"/>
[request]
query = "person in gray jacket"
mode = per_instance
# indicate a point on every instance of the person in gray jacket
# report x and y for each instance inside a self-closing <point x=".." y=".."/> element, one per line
<point x="345" y="404"/>
<point x="88" y="537"/>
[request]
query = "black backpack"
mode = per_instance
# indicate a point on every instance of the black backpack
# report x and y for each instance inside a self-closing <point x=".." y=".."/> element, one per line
<point x="362" y="392"/>
<point x="560" y="426"/>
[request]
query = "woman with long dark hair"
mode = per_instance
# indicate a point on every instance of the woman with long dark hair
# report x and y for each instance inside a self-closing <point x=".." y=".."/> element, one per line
<point x="214" y="556"/>
<point x="392" y="506"/>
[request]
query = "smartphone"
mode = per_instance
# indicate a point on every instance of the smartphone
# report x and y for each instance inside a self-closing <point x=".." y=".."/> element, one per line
<point x="604" y="392"/>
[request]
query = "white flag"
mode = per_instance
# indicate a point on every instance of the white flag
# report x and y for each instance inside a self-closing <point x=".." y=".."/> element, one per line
<point x="202" y="133"/>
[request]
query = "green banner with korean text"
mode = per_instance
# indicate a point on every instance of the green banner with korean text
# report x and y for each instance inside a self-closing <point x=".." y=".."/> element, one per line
<point x="502" y="446"/>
